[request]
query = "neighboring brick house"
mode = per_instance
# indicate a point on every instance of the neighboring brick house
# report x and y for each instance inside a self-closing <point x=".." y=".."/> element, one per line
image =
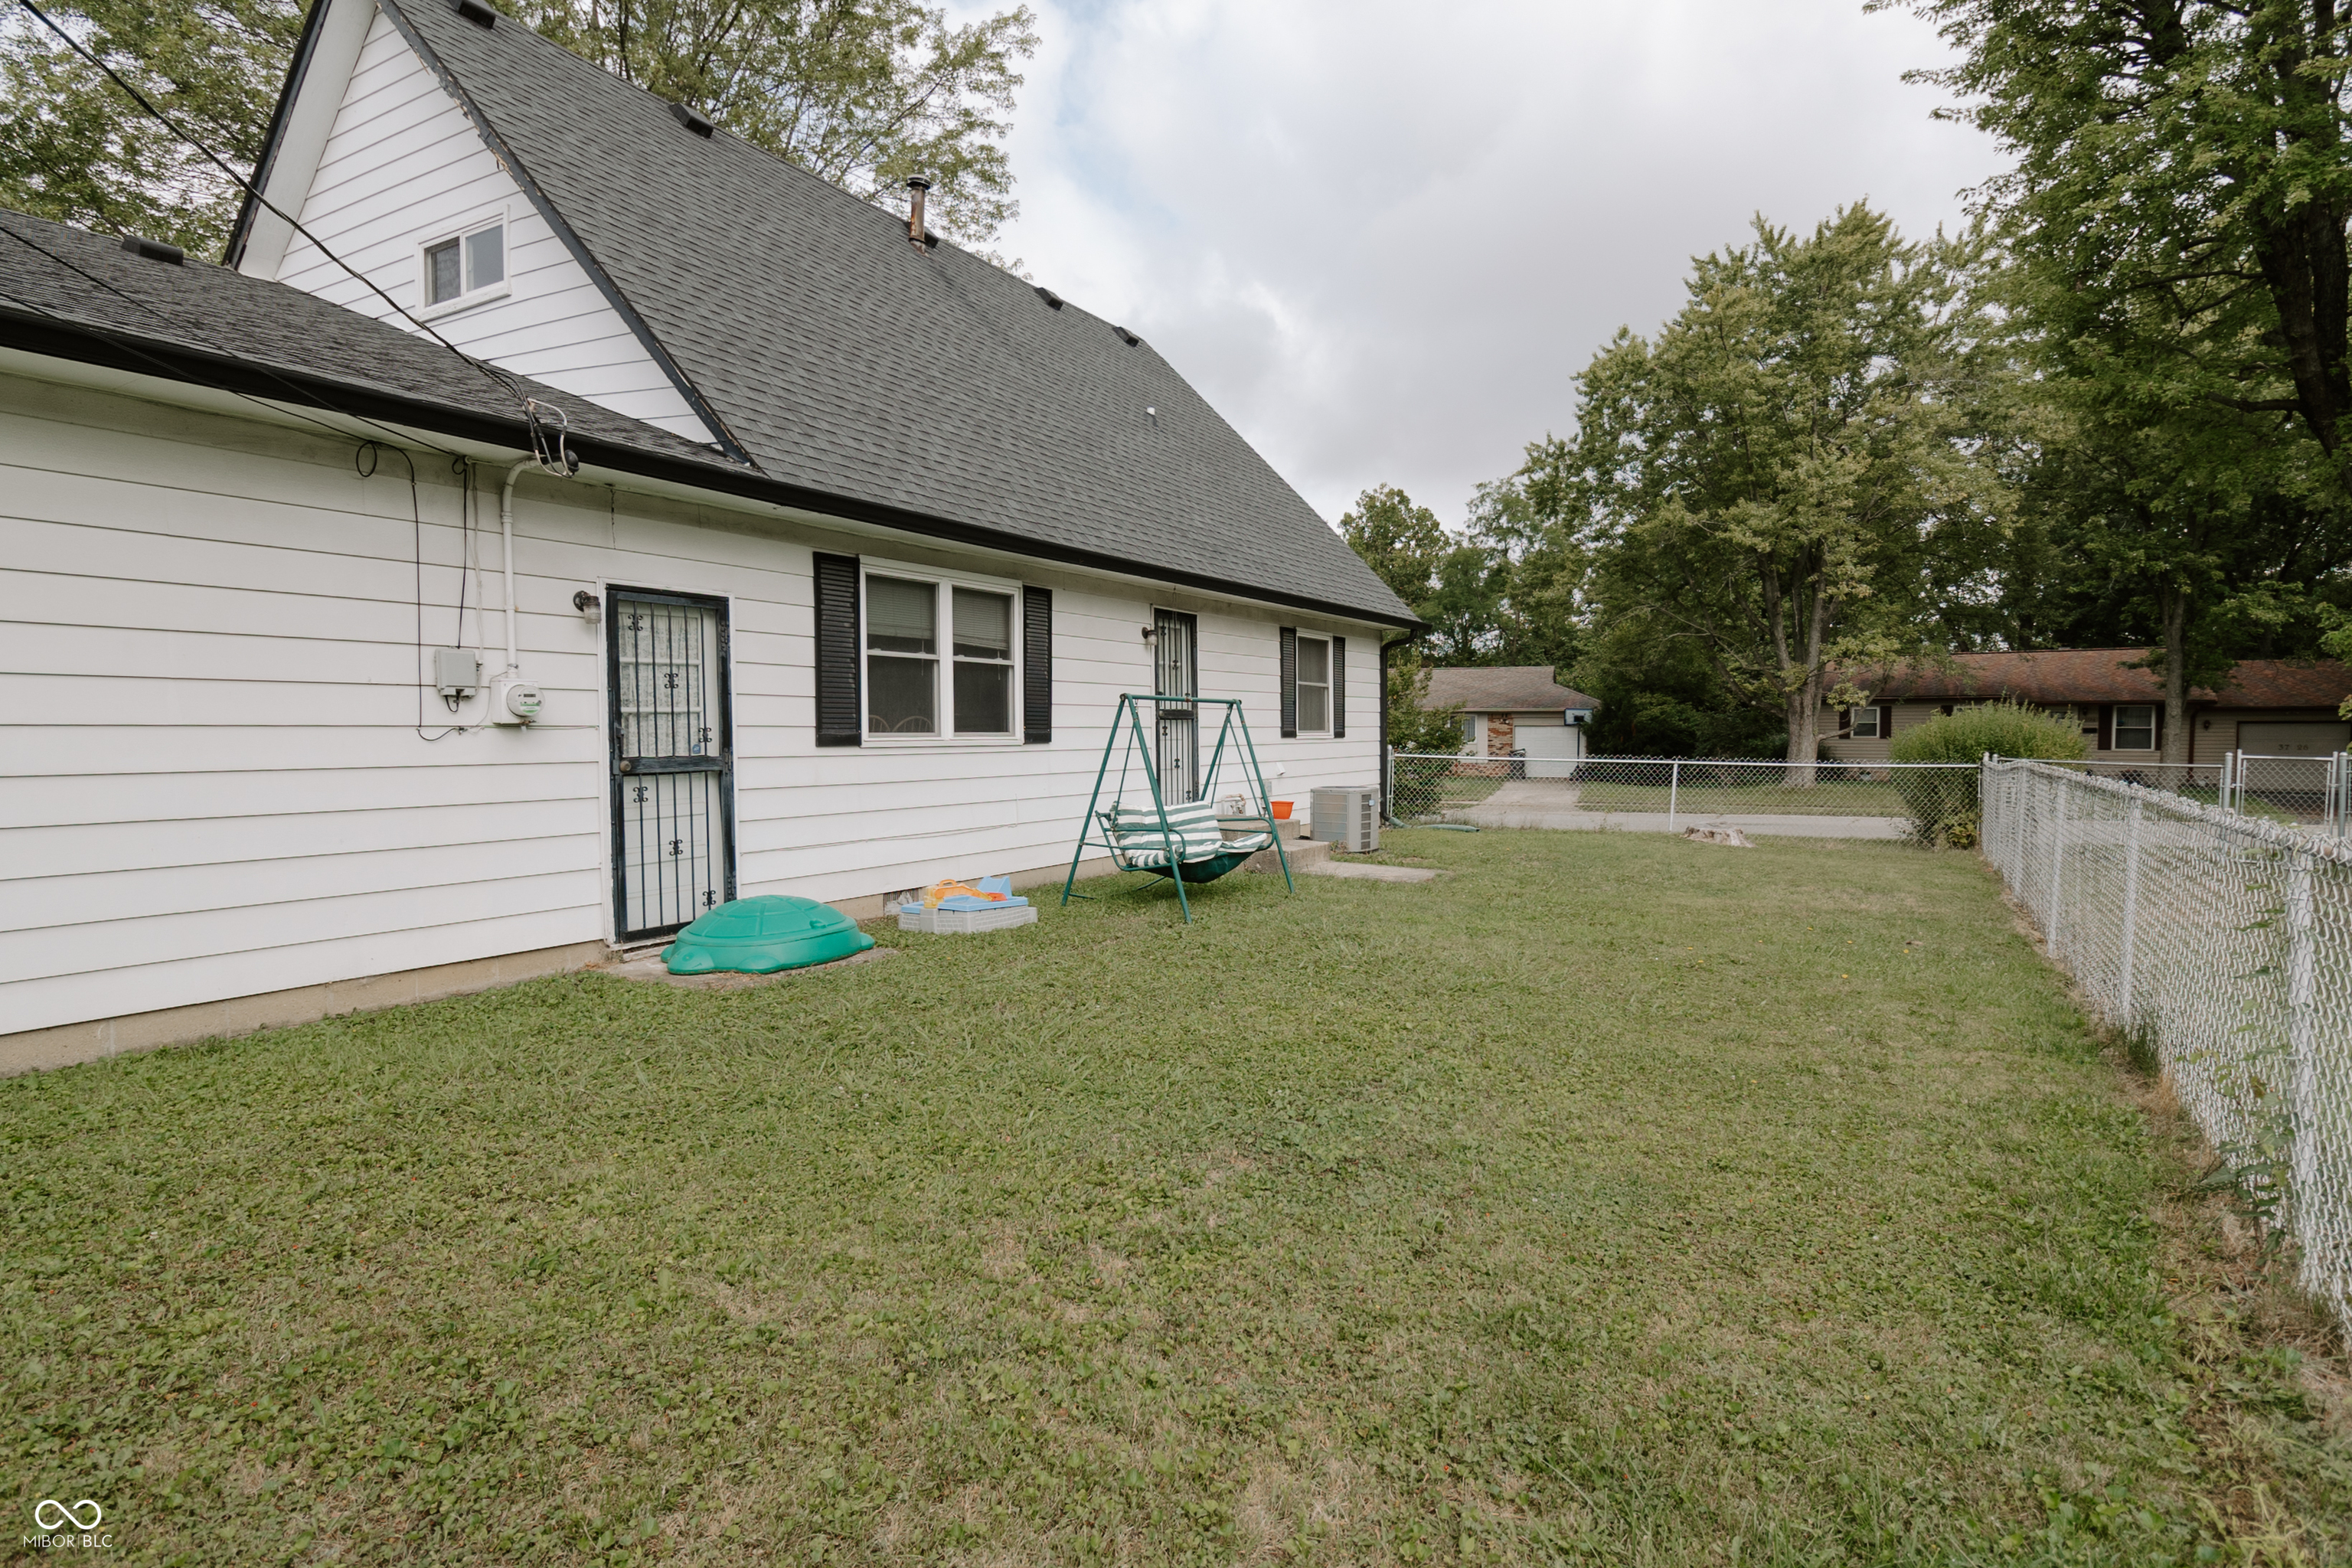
<point x="1513" y="707"/>
<point x="2269" y="706"/>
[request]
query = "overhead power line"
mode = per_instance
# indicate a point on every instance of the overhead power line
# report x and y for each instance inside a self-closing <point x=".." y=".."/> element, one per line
<point x="497" y="376"/>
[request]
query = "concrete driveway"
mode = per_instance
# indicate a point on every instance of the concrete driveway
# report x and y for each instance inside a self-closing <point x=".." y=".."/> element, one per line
<point x="1552" y="802"/>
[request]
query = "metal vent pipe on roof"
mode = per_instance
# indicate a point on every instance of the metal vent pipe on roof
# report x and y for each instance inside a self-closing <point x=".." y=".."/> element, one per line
<point x="915" y="211"/>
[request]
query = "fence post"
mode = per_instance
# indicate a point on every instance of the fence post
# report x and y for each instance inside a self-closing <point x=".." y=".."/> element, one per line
<point x="2131" y="912"/>
<point x="2057" y="920"/>
<point x="1673" y="791"/>
<point x="2302" y="1009"/>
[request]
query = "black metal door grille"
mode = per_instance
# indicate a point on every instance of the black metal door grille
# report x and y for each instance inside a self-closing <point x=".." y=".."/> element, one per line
<point x="673" y="761"/>
<point x="1178" y="672"/>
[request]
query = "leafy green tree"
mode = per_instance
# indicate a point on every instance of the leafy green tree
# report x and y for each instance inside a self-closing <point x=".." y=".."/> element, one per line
<point x="1542" y="565"/>
<point x="75" y="148"/>
<point x="860" y="92"/>
<point x="1401" y="542"/>
<point x="1458" y="585"/>
<point x="1413" y="725"/>
<point x="1770" y="484"/>
<point x="2182" y="165"/>
<point x="2157" y="516"/>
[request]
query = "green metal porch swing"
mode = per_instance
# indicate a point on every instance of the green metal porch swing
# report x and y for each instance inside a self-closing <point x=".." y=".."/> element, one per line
<point x="1185" y="843"/>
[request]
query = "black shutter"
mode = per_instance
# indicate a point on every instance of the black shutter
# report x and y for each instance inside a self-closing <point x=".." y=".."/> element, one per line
<point x="839" y="721"/>
<point x="1036" y="666"/>
<point x="2106" y="726"/>
<point x="1887" y="723"/>
<point x="1338" y="688"/>
<point x="1290" y="680"/>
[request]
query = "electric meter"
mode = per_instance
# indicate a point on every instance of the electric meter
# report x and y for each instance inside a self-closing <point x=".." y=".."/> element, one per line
<point x="513" y="700"/>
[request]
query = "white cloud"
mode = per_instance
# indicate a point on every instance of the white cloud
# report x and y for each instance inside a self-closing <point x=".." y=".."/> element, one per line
<point x="1382" y="237"/>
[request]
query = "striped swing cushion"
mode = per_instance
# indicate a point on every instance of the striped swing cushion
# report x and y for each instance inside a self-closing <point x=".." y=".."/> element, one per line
<point x="1142" y="846"/>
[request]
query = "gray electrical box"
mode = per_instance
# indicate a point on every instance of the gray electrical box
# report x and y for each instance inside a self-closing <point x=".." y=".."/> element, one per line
<point x="456" y="671"/>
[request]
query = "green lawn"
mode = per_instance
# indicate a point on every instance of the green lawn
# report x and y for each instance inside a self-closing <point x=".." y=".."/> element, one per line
<point x="1613" y="1199"/>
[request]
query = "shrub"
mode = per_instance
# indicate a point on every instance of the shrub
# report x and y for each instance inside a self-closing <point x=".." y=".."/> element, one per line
<point x="1944" y="807"/>
<point x="1412" y="726"/>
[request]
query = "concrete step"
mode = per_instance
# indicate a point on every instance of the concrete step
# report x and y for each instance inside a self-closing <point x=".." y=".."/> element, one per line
<point x="1303" y="853"/>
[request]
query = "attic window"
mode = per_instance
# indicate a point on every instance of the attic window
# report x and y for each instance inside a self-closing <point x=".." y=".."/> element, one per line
<point x="1049" y="296"/>
<point x="475" y="12"/>
<point x="466" y="268"/>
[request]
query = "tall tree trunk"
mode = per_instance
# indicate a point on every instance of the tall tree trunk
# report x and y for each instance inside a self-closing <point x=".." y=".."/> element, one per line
<point x="1805" y="699"/>
<point x="2172" y="604"/>
<point x="1804" y="732"/>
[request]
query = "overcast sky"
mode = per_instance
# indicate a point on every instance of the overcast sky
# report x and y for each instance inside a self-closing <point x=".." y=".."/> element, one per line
<point x="1383" y="236"/>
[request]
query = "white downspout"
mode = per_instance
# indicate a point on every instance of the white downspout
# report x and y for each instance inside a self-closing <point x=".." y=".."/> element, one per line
<point x="506" y="537"/>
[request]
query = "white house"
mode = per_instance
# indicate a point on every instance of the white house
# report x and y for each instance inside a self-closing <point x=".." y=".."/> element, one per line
<point x="864" y="539"/>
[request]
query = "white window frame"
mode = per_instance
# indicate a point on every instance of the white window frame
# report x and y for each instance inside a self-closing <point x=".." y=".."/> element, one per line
<point x="1877" y="724"/>
<point x="943" y="586"/>
<point x="2116" y="727"/>
<point x="468" y="297"/>
<point x="1299" y="683"/>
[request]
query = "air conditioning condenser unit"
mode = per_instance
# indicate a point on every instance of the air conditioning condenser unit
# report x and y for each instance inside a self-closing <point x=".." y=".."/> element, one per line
<point x="1347" y="818"/>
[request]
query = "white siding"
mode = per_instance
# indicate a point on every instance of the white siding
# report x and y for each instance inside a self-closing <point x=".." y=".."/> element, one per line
<point x="214" y="785"/>
<point x="404" y="166"/>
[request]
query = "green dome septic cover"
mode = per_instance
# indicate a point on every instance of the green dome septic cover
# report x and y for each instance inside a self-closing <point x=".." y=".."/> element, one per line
<point x="763" y="935"/>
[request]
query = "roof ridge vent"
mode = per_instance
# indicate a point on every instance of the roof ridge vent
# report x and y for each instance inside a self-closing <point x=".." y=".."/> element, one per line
<point x="154" y="250"/>
<point x="475" y="12"/>
<point x="693" y="120"/>
<point x="1050" y="298"/>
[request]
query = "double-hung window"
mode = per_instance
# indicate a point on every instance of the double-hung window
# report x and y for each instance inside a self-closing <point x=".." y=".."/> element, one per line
<point x="2134" y="727"/>
<point x="939" y="658"/>
<point x="1861" y="723"/>
<point x="1314" y="685"/>
<point x="466" y="266"/>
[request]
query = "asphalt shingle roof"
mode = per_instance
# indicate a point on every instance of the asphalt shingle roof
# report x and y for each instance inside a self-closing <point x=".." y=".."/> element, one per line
<point x="1497" y="687"/>
<point x="2052" y="676"/>
<point x="51" y="273"/>
<point x="841" y="358"/>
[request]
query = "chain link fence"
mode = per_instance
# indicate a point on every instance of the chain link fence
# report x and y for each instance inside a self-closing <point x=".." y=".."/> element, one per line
<point x="2307" y="790"/>
<point x="2220" y="942"/>
<point x="1927" y="801"/>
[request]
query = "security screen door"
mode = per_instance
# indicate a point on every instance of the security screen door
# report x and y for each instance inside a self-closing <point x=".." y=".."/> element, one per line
<point x="672" y="759"/>
<point x="1178" y="675"/>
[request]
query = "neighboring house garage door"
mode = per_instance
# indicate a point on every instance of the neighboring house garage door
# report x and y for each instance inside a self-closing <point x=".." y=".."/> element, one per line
<point x="2278" y="739"/>
<point x="1551" y="749"/>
